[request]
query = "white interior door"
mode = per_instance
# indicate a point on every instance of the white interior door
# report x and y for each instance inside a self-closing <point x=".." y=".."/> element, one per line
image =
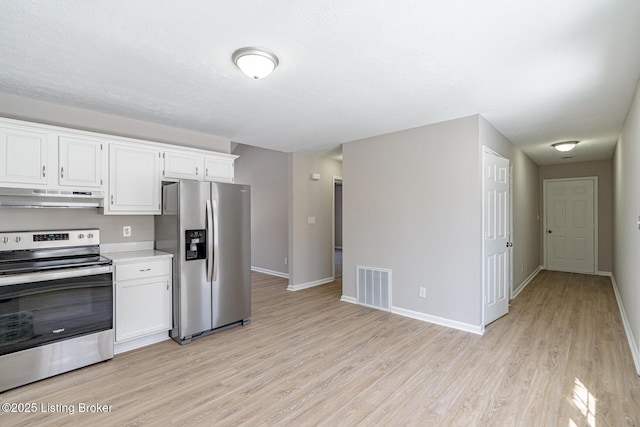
<point x="569" y="225"/>
<point x="496" y="260"/>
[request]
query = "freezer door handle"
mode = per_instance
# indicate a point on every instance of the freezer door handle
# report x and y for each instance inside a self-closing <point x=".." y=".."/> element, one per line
<point x="210" y="253"/>
<point x="215" y="240"/>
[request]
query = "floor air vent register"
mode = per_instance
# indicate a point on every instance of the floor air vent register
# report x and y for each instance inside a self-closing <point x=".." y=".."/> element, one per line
<point x="374" y="287"/>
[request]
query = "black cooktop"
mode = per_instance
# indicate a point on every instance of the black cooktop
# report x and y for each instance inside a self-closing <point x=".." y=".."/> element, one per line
<point x="48" y="264"/>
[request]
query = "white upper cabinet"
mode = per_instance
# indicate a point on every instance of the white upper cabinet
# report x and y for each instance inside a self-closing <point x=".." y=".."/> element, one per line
<point x="197" y="166"/>
<point x="219" y="168"/>
<point x="80" y="163"/>
<point x="183" y="165"/>
<point x="23" y="157"/>
<point x="129" y="171"/>
<point x="134" y="180"/>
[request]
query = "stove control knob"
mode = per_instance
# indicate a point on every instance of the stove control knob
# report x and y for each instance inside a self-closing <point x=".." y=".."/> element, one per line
<point x="90" y="236"/>
<point x="18" y="239"/>
<point x="5" y="240"/>
<point x="80" y="236"/>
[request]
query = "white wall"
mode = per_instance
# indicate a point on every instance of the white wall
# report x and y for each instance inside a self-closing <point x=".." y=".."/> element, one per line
<point x="16" y="107"/>
<point x="310" y="245"/>
<point x="16" y="219"/>
<point x="626" y="236"/>
<point x="267" y="173"/>
<point x="413" y="203"/>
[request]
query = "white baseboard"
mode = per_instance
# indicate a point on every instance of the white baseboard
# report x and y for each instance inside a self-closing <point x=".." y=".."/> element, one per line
<point x="270" y="272"/>
<point x="350" y="300"/>
<point x="310" y="284"/>
<point x="475" y="329"/>
<point x="627" y="327"/>
<point x="526" y="281"/>
<point x="122" y="347"/>
<point x="466" y="327"/>
<point x="604" y="273"/>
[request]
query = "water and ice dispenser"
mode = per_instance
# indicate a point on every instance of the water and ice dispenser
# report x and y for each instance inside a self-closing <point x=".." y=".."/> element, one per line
<point x="195" y="244"/>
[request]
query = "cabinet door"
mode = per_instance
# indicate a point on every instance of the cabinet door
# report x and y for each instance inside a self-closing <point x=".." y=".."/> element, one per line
<point x="79" y="162"/>
<point x="182" y="165"/>
<point x="134" y="180"/>
<point x="23" y="156"/>
<point x="218" y="169"/>
<point x="142" y="307"/>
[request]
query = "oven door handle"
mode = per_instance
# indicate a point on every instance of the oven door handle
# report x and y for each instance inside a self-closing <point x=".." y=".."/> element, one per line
<point x="42" y="276"/>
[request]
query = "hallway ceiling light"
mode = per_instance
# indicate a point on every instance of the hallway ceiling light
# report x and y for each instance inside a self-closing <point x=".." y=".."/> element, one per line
<point x="254" y="62"/>
<point x="565" y="146"/>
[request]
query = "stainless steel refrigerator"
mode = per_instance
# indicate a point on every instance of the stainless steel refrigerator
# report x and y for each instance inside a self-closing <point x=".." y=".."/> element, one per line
<point x="207" y="228"/>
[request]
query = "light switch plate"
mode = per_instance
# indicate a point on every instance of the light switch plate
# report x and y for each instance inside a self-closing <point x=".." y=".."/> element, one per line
<point x="311" y="220"/>
<point x="126" y="231"/>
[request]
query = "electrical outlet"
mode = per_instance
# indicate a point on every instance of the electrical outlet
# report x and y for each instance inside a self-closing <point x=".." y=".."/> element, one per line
<point x="423" y="292"/>
<point x="126" y="231"/>
<point x="286" y="260"/>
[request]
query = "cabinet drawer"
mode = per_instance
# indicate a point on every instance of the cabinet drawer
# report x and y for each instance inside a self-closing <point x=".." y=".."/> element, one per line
<point x="141" y="269"/>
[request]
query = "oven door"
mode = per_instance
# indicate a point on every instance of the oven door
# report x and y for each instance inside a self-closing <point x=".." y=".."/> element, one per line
<point x="46" y="307"/>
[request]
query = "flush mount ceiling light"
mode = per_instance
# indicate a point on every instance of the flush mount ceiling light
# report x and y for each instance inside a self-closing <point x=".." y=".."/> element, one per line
<point x="565" y="146"/>
<point x="254" y="62"/>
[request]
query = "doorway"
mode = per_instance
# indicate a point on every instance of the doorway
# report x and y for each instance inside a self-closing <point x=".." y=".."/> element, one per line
<point x="337" y="227"/>
<point x="570" y="224"/>
<point x="496" y="230"/>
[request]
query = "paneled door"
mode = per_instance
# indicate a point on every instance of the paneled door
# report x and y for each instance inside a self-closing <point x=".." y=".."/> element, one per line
<point x="134" y="180"/>
<point x="570" y="224"/>
<point x="496" y="228"/>
<point x="23" y="157"/>
<point x="80" y="162"/>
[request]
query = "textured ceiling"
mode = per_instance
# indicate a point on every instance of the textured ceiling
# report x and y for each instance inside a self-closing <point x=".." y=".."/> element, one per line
<point x="540" y="71"/>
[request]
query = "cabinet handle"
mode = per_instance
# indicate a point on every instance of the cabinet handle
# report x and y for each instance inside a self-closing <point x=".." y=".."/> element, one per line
<point x="43" y="170"/>
<point x="167" y="285"/>
<point x="112" y="199"/>
<point x="145" y="269"/>
<point x="206" y="172"/>
<point x="61" y="171"/>
<point x="196" y="170"/>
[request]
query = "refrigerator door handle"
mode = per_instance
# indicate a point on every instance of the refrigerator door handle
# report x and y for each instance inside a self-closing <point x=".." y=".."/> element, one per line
<point x="210" y="248"/>
<point x="215" y="240"/>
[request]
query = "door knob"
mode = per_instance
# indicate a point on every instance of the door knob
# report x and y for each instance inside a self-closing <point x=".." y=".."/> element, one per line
<point x="549" y="231"/>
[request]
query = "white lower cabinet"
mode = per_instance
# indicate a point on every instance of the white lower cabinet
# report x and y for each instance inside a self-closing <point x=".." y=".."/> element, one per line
<point x="142" y="303"/>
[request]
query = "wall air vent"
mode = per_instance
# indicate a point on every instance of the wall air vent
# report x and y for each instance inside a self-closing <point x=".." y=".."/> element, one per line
<point x="374" y="287"/>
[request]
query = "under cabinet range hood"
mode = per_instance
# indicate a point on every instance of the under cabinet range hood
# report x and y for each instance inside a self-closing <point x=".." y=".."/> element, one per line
<point x="37" y="198"/>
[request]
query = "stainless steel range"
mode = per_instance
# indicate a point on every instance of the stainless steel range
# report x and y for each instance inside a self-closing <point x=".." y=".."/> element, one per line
<point x="56" y="304"/>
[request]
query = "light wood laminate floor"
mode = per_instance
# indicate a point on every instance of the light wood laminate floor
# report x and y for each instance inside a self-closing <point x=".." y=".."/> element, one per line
<point x="560" y="358"/>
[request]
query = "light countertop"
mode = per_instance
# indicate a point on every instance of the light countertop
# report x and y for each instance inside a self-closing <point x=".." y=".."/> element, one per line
<point x="143" y="255"/>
